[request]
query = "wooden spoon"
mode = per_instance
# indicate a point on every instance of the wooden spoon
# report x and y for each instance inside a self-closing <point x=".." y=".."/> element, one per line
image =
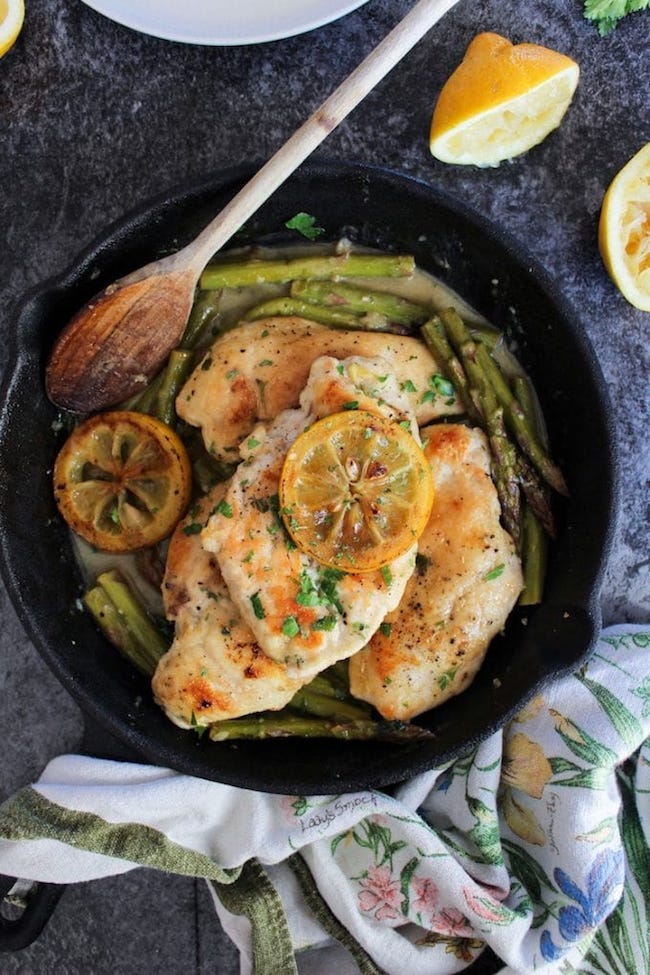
<point x="114" y="346"/>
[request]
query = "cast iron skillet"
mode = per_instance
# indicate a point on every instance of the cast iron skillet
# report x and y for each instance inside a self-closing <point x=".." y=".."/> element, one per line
<point x="373" y="207"/>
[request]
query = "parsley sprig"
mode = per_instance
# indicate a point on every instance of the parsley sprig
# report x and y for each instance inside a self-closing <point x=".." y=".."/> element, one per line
<point x="607" y="13"/>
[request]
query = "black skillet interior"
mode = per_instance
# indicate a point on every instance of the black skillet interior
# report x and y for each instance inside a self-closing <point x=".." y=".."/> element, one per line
<point x="372" y="207"/>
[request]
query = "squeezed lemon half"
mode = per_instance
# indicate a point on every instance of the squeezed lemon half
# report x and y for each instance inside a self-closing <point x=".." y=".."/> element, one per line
<point x="501" y="100"/>
<point x="624" y="230"/>
<point x="12" y="15"/>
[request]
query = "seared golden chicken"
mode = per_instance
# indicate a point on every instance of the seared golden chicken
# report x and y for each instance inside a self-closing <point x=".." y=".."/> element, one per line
<point x="260" y="368"/>
<point x="467" y="580"/>
<point x="368" y="383"/>
<point x="304" y="615"/>
<point x="215" y="668"/>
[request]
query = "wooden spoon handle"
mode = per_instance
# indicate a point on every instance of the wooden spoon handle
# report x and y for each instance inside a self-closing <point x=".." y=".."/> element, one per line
<point x="279" y="167"/>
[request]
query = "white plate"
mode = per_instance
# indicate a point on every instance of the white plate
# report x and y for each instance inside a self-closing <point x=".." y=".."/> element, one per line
<point x="223" y="22"/>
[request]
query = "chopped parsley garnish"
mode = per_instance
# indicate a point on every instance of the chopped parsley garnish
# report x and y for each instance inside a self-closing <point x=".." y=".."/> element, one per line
<point x="386" y="575"/>
<point x="258" y="609"/>
<point x="439" y="386"/>
<point x="324" y="623"/>
<point x="494" y="573"/>
<point x="321" y="592"/>
<point x="197" y="726"/>
<point x="290" y="626"/>
<point x="408" y="386"/>
<point x="352" y="404"/>
<point x="305" y="224"/>
<point x="385" y="629"/>
<point x="223" y="508"/>
<point x="446" y="678"/>
<point x="193" y="528"/>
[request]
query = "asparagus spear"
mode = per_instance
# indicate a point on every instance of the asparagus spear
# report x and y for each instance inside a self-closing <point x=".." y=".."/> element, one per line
<point x="519" y="424"/>
<point x="308" y="701"/>
<point x="327" y="684"/>
<point x="125" y="622"/>
<point x="144" y="401"/>
<point x="536" y="492"/>
<point x="173" y="376"/>
<point x="115" y="629"/>
<point x="236" y="274"/>
<point x="436" y="339"/>
<point x="491" y="413"/>
<point x="204" y="311"/>
<point x="534" y="559"/>
<point x="283" y="725"/>
<point x="504" y="466"/>
<point x="303" y="309"/>
<point x="513" y="473"/>
<point x="381" y="305"/>
<point x="537" y="495"/>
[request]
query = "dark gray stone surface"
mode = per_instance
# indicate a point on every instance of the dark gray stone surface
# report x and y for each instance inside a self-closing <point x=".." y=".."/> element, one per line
<point x="96" y="118"/>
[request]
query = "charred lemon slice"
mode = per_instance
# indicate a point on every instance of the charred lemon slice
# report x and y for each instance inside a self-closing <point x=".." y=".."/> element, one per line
<point x="122" y="481"/>
<point x="355" y="491"/>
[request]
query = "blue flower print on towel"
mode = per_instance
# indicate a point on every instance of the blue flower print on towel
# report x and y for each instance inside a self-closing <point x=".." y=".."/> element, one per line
<point x="604" y="884"/>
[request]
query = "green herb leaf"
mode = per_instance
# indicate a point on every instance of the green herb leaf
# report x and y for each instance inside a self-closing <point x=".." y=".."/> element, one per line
<point x="223" y="508"/>
<point x="258" y="609"/>
<point x="290" y="626"/>
<point x="606" y="13"/>
<point x="386" y="574"/>
<point x="305" y="224"/>
<point x="324" y="623"/>
<point x="494" y="573"/>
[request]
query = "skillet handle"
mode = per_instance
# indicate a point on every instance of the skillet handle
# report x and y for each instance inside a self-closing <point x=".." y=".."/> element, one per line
<point x="40" y="902"/>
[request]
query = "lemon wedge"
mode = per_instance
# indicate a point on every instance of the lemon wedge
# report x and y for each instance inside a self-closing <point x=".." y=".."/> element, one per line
<point x="624" y="230"/>
<point x="501" y="100"/>
<point x="12" y="15"/>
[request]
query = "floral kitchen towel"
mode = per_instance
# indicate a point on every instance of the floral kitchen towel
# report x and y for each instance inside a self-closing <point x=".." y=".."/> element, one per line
<point x="536" y="844"/>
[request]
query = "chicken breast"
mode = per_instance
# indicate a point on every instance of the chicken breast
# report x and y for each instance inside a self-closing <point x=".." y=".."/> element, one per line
<point x="258" y="369"/>
<point x="369" y="384"/>
<point x="467" y="581"/>
<point x="215" y="669"/>
<point x="304" y="615"/>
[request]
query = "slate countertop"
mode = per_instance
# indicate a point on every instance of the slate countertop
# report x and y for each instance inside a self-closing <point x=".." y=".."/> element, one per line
<point x="97" y="118"/>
